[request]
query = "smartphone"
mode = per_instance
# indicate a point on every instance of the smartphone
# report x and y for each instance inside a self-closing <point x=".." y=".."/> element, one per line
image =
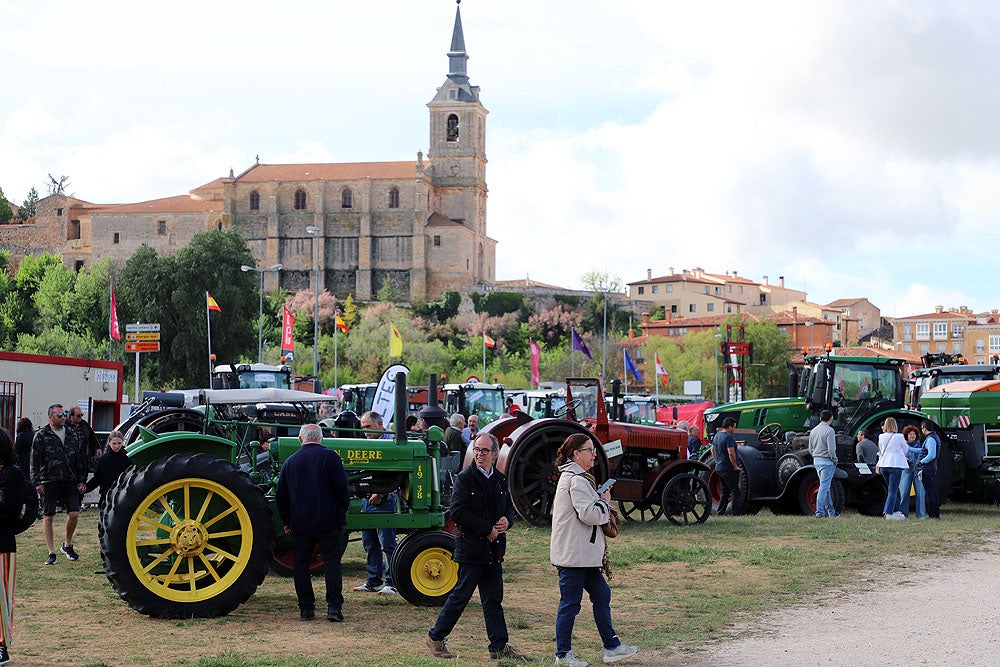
<point x="604" y="487"/>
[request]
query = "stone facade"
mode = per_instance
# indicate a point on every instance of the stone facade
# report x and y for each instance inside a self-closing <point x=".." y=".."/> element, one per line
<point x="420" y="224"/>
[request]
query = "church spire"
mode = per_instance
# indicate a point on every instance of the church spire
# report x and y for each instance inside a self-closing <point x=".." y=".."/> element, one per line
<point x="457" y="56"/>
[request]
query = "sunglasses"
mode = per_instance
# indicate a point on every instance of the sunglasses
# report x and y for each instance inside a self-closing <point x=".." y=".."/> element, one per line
<point x="62" y="414"/>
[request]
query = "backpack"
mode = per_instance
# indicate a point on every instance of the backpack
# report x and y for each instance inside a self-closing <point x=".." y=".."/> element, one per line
<point x="28" y="512"/>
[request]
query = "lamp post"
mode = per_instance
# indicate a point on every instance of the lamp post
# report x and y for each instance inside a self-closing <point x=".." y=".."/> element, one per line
<point x="810" y="326"/>
<point x="718" y="342"/>
<point x="315" y="230"/>
<point x="260" y="307"/>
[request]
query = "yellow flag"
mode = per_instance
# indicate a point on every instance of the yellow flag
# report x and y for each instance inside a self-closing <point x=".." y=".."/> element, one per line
<point x="395" y="341"/>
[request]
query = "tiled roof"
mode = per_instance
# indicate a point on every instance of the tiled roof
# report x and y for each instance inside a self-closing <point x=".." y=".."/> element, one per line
<point x="437" y="220"/>
<point x="939" y="316"/>
<point x="734" y="279"/>
<point x="347" y="171"/>
<point x="785" y="317"/>
<point x="708" y="321"/>
<point x="842" y="303"/>
<point x="675" y="278"/>
<point x="178" y="204"/>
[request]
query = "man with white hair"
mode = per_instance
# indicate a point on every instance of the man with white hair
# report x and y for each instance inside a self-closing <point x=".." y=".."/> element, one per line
<point x="453" y="434"/>
<point x="312" y="499"/>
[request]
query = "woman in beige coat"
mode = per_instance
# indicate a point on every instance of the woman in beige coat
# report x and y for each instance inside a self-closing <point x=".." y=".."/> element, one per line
<point x="577" y="550"/>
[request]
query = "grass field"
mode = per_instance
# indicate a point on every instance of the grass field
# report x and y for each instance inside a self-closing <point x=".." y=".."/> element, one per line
<point x="674" y="589"/>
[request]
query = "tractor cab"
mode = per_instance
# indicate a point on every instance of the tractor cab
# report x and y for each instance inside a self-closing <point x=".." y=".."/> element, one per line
<point x="853" y="389"/>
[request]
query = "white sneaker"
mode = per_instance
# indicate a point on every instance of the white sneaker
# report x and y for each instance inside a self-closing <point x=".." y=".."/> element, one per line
<point x="620" y="652"/>
<point x="571" y="660"/>
<point x="895" y="516"/>
<point x="388" y="590"/>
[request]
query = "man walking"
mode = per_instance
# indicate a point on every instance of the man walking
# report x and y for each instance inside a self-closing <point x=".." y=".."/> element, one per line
<point x="59" y="473"/>
<point x="379" y="543"/>
<point x="312" y="499"/>
<point x="483" y="512"/>
<point x="727" y="467"/>
<point x="927" y="468"/>
<point x="823" y="448"/>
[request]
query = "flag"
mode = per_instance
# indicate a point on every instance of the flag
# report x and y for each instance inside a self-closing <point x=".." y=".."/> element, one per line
<point x="578" y="344"/>
<point x="487" y="341"/>
<point x="660" y="370"/>
<point x="395" y="341"/>
<point x="630" y="366"/>
<point x="113" y="329"/>
<point x="341" y="325"/>
<point x="535" y="352"/>
<point x="287" y="323"/>
<point x="212" y="305"/>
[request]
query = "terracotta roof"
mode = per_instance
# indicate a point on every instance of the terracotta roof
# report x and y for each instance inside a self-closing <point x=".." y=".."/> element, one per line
<point x="437" y="220"/>
<point x="347" y="171"/>
<point x="675" y="278"/>
<point x="785" y="317"/>
<point x="938" y="316"/>
<point x="178" y="204"/>
<point x="841" y="303"/>
<point x="734" y="279"/>
<point x="707" y="321"/>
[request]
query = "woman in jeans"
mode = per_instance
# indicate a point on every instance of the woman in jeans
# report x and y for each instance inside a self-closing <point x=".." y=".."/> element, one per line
<point x="910" y="478"/>
<point x="578" y="551"/>
<point x="891" y="463"/>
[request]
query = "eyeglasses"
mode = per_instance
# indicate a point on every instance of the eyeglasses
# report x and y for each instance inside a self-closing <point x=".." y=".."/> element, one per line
<point x="586" y="449"/>
<point x="482" y="450"/>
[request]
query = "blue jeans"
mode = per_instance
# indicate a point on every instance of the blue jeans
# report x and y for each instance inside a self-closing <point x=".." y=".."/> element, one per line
<point x="379" y="544"/>
<point x="489" y="579"/>
<point x="824" y="503"/>
<point x="891" y="476"/>
<point x="906" y="480"/>
<point x="572" y="582"/>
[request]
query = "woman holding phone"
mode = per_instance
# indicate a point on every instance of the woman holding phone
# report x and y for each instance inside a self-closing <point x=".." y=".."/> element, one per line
<point x="579" y="551"/>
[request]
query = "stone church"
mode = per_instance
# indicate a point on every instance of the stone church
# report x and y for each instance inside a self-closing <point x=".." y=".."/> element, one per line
<point x="421" y="225"/>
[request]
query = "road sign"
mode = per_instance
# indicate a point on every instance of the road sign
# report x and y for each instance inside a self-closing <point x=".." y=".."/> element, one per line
<point x="143" y="346"/>
<point x="139" y="327"/>
<point x="142" y="336"/>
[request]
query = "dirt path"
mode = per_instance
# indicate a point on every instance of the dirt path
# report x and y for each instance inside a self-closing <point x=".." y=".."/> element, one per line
<point x="943" y="612"/>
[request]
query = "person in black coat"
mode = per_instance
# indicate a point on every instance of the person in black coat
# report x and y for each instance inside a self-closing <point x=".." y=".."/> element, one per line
<point x="12" y="483"/>
<point x="24" y="433"/>
<point x="483" y="512"/>
<point x="110" y="466"/>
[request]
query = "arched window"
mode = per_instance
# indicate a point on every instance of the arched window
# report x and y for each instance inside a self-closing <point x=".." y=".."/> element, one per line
<point x="346" y="198"/>
<point x="300" y="200"/>
<point x="394" y="198"/>
<point x="452" y="127"/>
<point x="254" y="201"/>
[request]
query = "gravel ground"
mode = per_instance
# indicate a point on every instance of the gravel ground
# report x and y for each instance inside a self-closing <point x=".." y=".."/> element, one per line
<point x="944" y="612"/>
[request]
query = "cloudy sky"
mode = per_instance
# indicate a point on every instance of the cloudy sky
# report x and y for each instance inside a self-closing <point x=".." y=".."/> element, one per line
<point x="850" y="146"/>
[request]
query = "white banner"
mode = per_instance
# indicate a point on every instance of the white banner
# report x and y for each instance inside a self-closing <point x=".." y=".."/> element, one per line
<point x="385" y="401"/>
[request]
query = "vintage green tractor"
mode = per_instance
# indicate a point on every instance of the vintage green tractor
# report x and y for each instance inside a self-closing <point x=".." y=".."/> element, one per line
<point x="191" y="529"/>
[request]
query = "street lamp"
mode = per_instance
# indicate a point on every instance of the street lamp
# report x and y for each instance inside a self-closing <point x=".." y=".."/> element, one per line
<point x="260" y="307"/>
<point x="315" y="230"/>
<point x="810" y="325"/>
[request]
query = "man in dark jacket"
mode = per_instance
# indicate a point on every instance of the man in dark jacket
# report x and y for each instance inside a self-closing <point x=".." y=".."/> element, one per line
<point x="76" y="422"/>
<point x="59" y="473"/>
<point x="483" y="512"/>
<point x="312" y="499"/>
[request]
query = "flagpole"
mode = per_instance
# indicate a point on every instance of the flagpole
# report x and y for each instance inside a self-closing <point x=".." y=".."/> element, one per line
<point x="572" y="352"/>
<point x="208" y="320"/>
<point x="111" y="316"/>
<point x="484" y="355"/>
<point x="625" y="369"/>
<point x="335" y="332"/>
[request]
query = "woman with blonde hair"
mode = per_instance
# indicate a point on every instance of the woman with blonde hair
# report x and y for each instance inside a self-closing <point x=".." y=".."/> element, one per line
<point x="891" y="463"/>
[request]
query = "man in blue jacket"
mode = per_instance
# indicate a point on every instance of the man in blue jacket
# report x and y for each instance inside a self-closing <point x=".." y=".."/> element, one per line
<point x="312" y="500"/>
<point x="927" y="468"/>
<point x="483" y="512"/>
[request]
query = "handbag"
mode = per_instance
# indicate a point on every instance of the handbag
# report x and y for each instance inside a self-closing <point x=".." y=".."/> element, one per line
<point x="610" y="529"/>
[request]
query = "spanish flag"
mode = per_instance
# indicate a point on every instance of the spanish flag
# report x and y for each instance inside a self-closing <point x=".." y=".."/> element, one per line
<point x="212" y="305"/>
<point x="395" y="341"/>
<point x="341" y="324"/>
<point x="488" y="340"/>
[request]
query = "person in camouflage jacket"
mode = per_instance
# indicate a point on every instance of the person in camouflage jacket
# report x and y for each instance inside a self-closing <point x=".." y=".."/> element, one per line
<point x="59" y="473"/>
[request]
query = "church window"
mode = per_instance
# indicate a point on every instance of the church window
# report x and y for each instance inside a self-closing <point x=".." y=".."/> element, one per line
<point x="452" y="127"/>
<point x="437" y="241"/>
<point x="161" y="227"/>
<point x="300" y="200"/>
<point x="346" y="198"/>
<point x="394" y="198"/>
<point x="254" y="201"/>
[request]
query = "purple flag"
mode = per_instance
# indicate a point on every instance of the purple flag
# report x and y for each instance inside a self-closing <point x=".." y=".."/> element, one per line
<point x="578" y="344"/>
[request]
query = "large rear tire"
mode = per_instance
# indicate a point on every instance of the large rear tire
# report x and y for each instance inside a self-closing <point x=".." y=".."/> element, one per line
<point x="809" y="489"/>
<point x="686" y="500"/>
<point x="187" y="536"/>
<point x="422" y="569"/>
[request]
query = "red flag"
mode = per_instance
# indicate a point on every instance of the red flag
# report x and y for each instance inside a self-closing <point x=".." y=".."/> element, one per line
<point x="341" y="324"/>
<point x="660" y="370"/>
<point x="536" y="353"/>
<point x="488" y="340"/>
<point x="212" y="305"/>
<point x="287" y="322"/>
<point x="113" y="329"/>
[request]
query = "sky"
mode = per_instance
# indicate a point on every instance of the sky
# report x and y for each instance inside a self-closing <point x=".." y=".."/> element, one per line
<point x="850" y="146"/>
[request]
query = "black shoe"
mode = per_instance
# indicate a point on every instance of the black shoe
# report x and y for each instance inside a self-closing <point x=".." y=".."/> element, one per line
<point x="334" y="615"/>
<point x="51" y="560"/>
<point x="69" y="552"/>
<point x="307" y="615"/>
<point x="4" y="656"/>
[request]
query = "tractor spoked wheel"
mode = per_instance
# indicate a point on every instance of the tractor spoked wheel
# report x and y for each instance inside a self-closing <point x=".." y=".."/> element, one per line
<point x="686" y="500"/>
<point x="186" y="536"/>
<point x="533" y="475"/>
<point x="639" y="511"/>
<point x="422" y="569"/>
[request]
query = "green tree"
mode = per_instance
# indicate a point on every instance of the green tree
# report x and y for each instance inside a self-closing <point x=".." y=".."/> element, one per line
<point x="29" y="207"/>
<point x="388" y="292"/>
<point x="6" y="212"/>
<point x="350" y="312"/>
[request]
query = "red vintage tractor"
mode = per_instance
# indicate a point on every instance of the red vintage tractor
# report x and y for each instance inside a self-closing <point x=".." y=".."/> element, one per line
<point x="654" y="476"/>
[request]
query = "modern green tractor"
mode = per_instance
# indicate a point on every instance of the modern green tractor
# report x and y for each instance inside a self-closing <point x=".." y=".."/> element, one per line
<point x="191" y="528"/>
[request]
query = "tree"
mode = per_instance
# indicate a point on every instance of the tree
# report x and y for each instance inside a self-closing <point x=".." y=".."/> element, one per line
<point x="350" y="312"/>
<point x="6" y="212"/>
<point x="58" y="186"/>
<point x="388" y="293"/>
<point x="29" y="207"/>
<point x="602" y="281"/>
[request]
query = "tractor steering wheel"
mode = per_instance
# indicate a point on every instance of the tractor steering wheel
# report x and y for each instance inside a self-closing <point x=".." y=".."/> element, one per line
<point x="564" y="410"/>
<point x="770" y="434"/>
